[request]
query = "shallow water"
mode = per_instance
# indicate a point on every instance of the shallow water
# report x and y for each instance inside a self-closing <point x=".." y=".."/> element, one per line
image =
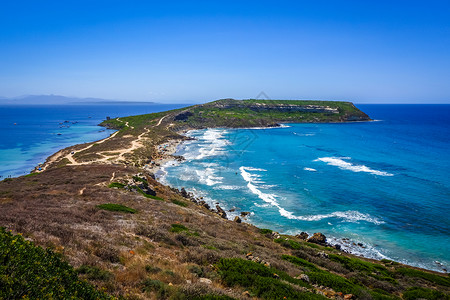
<point x="29" y="134"/>
<point x="384" y="184"/>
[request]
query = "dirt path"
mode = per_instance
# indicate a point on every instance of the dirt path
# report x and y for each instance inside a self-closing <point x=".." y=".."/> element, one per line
<point x="118" y="153"/>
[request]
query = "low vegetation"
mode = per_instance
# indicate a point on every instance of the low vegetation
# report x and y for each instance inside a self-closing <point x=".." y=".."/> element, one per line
<point x="174" y="248"/>
<point x="117" y="207"/>
<point x="30" y="272"/>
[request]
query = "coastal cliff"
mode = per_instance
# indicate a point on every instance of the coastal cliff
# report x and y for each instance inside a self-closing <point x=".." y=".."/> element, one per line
<point x="99" y="207"/>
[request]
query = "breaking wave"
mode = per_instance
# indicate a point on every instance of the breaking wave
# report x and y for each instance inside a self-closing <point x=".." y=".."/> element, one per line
<point x="344" y="165"/>
<point x="271" y="199"/>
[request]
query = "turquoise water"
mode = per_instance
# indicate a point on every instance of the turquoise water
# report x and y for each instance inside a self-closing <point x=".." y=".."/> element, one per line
<point x="29" y="134"/>
<point x="385" y="184"/>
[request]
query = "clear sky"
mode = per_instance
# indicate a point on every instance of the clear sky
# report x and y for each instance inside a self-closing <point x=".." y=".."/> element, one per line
<point x="177" y="51"/>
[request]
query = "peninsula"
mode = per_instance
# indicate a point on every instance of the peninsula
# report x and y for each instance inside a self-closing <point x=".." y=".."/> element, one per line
<point x="114" y="231"/>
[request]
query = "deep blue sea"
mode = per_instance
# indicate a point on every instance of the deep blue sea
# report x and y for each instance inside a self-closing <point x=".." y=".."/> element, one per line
<point x="29" y="134"/>
<point x="384" y="184"/>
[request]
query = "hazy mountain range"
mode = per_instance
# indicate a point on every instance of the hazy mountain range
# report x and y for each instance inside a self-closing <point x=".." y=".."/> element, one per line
<point x="59" y="100"/>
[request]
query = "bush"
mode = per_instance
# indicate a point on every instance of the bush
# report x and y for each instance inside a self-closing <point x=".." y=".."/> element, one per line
<point x="265" y="231"/>
<point x="140" y="191"/>
<point x="94" y="273"/>
<point x="27" y="271"/>
<point x="423" y="293"/>
<point x="116" y="185"/>
<point x="197" y="270"/>
<point x="178" y="228"/>
<point x="444" y="281"/>
<point x="306" y="265"/>
<point x="180" y="203"/>
<point x="288" y="243"/>
<point x="261" y="281"/>
<point x="151" y="269"/>
<point x="159" y="287"/>
<point x="32" y="174"/>
<point x="352" y="264"/>
<point x="333" y="281"/>
<point x="117" y="207"/>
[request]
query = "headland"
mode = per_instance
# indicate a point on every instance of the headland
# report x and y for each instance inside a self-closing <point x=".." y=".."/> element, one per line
<point x="100" y="206"/>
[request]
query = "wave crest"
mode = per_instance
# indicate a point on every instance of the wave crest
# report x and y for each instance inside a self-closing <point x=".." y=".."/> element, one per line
<point x="344" y="165"/>
<point x="271" y="199"/>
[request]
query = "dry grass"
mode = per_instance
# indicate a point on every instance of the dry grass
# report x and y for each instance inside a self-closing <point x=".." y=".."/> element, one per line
<point x="51" y="210"/>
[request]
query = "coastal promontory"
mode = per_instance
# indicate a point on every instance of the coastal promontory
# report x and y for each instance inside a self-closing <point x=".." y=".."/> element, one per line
<point x="94" y="222"/>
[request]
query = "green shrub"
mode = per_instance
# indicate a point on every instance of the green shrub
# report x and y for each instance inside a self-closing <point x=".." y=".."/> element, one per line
<point x="306" y="265"/>
<point x="178" y="228"/>
<point x="140" y="191"/>
<point x="137" y="178"/>
<point x="197" y="270"/>
<point x="180" y="203"/>
<point x="212" y="297"/>
<point x="152" y="269"/>
<point x="352" y="264"/>
<point x="441" y="280"/>
<point x="265" y="231"/>
<point x="27" y="271"/>
<point x="336" y="282"/>
<point x="159" y="287"/>
<point x="32" y="174"/>
<point x="261" y="281"/>
<point x="94" y="273"/>
<point x="423" y="293"/>
<point x="117" y="207"/>
<point x="116" y="185"/>
<point x="288" y="243"/>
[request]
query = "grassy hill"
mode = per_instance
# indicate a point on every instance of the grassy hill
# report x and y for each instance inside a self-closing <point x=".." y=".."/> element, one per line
<point x="109" y="229"/>
<point x="129" y="243"/>
<point x="251" y="113"/>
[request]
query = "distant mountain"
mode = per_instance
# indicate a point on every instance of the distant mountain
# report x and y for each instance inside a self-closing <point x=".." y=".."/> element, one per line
<point x="60" y="100"/>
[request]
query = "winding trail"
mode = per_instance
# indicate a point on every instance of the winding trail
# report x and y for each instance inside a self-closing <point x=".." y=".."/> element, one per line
<point x="117" y="154"/>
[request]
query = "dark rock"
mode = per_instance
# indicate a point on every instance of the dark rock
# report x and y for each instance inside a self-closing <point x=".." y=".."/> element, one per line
<point x="221" y="212"/>
<point x="337" y="246"/>
<point x="303" y="236"/>
<point x="318" y="238"/>
<point x="245" y="213"/>
<point x="149" y="191"/>
<point x="184" y="193"/>
<point x="204" y="204"/>
<point x="183" y="116"/>
<point x="237" y="219"/>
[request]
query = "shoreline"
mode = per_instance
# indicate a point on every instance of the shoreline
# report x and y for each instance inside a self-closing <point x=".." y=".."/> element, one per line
<point x="343" y="243"/>
<point x="166" y="155"/>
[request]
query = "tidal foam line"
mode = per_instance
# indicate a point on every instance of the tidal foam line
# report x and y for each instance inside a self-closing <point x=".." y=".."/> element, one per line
<point x="348" y="216"/>
<point x="344" y="165"/>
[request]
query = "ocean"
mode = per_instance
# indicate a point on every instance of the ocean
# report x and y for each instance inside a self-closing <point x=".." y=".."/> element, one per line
<point x="380" y="189"/>
<point x="29" y="134"/>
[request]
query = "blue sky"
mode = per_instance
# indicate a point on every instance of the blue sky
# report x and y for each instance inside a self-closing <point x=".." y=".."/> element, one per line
<point x="196" y="51"/>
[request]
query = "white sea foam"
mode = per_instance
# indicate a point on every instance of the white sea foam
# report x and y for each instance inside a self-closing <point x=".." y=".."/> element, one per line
<point x="210" y="142"/>
<point x="310" y="169"/>
<point x="344" y="165"/>
<point x="228" y="187"/>
<point x="208" y="176"/>
<point x="259" y="128"/>
<point x="271" y="199"/>
<point x="304" y="134"/>
<point x="349" y="216"/>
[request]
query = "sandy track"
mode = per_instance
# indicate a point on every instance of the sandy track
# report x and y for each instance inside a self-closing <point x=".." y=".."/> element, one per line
<point x="118" y="153"/>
